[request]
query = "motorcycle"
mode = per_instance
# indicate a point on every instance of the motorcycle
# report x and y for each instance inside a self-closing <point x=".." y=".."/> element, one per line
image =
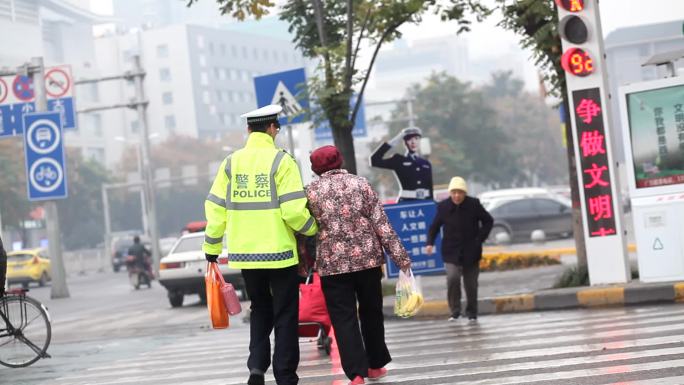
<point x="139" y="275"/>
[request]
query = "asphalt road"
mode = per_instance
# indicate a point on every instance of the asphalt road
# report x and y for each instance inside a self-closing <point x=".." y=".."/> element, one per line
<point x="107" y="333"/>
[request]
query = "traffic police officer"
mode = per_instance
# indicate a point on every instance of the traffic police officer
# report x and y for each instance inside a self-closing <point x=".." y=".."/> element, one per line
<point x="258" y="200"/>
<point x="414" y="173"/>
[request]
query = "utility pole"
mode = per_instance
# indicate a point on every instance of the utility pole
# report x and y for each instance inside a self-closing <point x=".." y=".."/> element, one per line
<point x="141" y="107"/>
<point x="59" y="287"/>
<point x="108" y="229"/>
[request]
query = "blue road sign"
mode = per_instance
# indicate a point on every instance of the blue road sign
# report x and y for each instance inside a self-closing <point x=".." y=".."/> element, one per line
<point x="11" y="122"/>
<point x="286" y="89"/>
<point x="324" y="132"/>
<point x="45" y="160"/>
<point x="411" y="221"/>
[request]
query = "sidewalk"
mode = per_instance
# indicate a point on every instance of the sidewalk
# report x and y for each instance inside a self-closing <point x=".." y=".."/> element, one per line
<point x="531" y="290"/>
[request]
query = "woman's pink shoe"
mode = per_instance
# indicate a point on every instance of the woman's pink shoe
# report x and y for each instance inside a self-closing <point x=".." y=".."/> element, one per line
<point x="375" y="374"/>
<point x="358" y="380"/>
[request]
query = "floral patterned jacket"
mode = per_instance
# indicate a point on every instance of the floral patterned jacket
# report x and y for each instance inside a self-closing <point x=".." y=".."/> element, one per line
<point x="353" y="226"/>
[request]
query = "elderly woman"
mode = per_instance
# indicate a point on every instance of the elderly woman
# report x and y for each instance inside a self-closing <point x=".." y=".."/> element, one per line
<point x="354" y="231"/>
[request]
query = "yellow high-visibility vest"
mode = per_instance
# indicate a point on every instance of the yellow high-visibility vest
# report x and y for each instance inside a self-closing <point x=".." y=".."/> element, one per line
<point x="258" y="201"/>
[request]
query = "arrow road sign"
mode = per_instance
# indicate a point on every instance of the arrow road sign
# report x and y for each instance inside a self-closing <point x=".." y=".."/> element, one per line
<point x="45" y="163"/>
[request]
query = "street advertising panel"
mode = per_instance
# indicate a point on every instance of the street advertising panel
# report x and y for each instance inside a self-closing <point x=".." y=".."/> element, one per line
<point x="596" y="182"/>
<point x="411" y="220"/>
<point x="653" y="118"/>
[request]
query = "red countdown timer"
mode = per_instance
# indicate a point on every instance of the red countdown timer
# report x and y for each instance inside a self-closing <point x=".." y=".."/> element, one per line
<point x="578" y="62"/>
<point x="571" y="5"/>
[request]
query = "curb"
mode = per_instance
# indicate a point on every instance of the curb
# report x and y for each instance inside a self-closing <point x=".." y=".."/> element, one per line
<point x="571" y="298"/>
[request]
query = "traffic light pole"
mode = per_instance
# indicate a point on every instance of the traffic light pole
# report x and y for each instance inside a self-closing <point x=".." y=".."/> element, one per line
<point x="59" y="287"/>
<point x="588" y="96"/>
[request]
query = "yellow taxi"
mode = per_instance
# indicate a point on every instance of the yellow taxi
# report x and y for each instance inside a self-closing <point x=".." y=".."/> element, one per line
<point x="26" y="266"/>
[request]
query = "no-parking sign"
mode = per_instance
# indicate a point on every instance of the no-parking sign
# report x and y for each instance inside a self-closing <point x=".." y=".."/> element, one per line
<point x="45" y="160"/>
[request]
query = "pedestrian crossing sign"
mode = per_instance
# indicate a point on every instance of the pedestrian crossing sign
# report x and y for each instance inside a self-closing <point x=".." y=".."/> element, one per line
<point x="286" y="89"/>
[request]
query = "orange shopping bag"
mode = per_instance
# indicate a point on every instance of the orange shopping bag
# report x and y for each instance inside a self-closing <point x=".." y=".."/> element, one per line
<point x="217" y="309"/>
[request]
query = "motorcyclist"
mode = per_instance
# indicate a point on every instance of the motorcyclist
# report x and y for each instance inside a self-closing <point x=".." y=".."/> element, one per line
<point x="3" y="268"/>
<point x="140" y="253"/>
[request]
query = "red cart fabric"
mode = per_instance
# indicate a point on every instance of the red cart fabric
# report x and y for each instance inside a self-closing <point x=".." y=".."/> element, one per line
<point x="312" y="308"/>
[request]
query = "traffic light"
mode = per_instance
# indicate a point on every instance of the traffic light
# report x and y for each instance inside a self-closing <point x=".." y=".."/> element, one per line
<point x="574" y="31"/>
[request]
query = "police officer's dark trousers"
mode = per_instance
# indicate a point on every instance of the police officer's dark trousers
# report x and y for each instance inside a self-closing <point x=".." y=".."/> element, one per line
<point x="365" y="348"/>
<point x="275" y="305"/>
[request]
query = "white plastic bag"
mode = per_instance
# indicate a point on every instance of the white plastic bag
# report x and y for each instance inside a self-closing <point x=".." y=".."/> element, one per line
<point x="409" y="298"/>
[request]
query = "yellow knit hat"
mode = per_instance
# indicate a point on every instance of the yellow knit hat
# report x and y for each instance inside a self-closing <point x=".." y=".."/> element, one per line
<point x="458" y="183"/>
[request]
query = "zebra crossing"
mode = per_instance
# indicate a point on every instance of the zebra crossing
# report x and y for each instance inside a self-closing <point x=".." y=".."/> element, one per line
<point x="635" y="346"/>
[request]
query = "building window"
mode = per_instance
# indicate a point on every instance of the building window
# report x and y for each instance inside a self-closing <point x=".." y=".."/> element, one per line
<point x="202" y="61"/>
<point x="233" y="74"/>
<point x="222" y="74"/>
<point x="285" y="57"/>
<point x="162" y="51"/>
<point x="211" y="48"/>
<point x="219" y="96"/>
<point x="200" y="41"/>
<point x="165" y="74"/>
<point x="170" y="122"/>
<point x="97" y="125"/>
<point x="234" y="96"/>
<point x="135" y="127"/>
<point x="233" y="51"/>
<point x="223" y="49"/>
<point x="204" y="79"/>
<point x="275" y="56"/>
<point x="265" y="55"/>
<point x="244" y="53"/>
<point x="206" y="98"/>
<point x="216" y="73"/>
<point x="212" y="109"/>
<point x="94" y="92"/>
<point x="245" y="75"/>
<point x="225" y="96"/>
<point x="255" y="53"/>
<point x="167" y="98"/>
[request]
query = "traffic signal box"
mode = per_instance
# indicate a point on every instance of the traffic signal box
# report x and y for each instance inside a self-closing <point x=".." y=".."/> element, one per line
<point x="584" y="65"/>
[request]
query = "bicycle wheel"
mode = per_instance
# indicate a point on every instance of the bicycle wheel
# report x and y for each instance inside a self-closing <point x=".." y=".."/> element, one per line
<point x="25" y="331"/>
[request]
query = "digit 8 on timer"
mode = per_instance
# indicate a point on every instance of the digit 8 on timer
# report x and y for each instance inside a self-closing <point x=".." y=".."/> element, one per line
<point x="577" y="62"/>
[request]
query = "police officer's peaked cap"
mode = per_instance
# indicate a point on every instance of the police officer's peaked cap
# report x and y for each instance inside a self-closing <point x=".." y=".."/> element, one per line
<point x="411" y="132"/>
<point x="263" y="115"/>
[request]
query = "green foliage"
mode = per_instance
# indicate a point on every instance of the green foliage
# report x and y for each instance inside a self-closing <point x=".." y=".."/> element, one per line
<point x="573" y="277"/>
<point x="466" y="139"/>
<point x="80" y="215"/>
<point x="333" y="32"/>
<point x="13" y="203"/>
<point x="533" y="128"/>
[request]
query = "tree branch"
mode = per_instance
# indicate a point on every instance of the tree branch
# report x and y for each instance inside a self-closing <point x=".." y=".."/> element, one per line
<point x="389" y="31"/>
<point x="348" y="59"/>
<point x="358" y="41"/>
<point x="318" y="13"/>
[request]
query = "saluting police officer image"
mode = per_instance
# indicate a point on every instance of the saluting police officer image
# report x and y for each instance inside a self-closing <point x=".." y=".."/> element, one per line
<point x="257" y="200"/>
<point x="413" y="172"/>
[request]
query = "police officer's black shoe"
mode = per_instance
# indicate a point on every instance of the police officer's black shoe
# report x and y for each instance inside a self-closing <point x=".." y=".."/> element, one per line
<point x="256" y="379"/>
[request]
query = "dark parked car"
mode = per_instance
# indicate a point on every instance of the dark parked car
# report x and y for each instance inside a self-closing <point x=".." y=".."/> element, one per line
<point x="519" y="217"/>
